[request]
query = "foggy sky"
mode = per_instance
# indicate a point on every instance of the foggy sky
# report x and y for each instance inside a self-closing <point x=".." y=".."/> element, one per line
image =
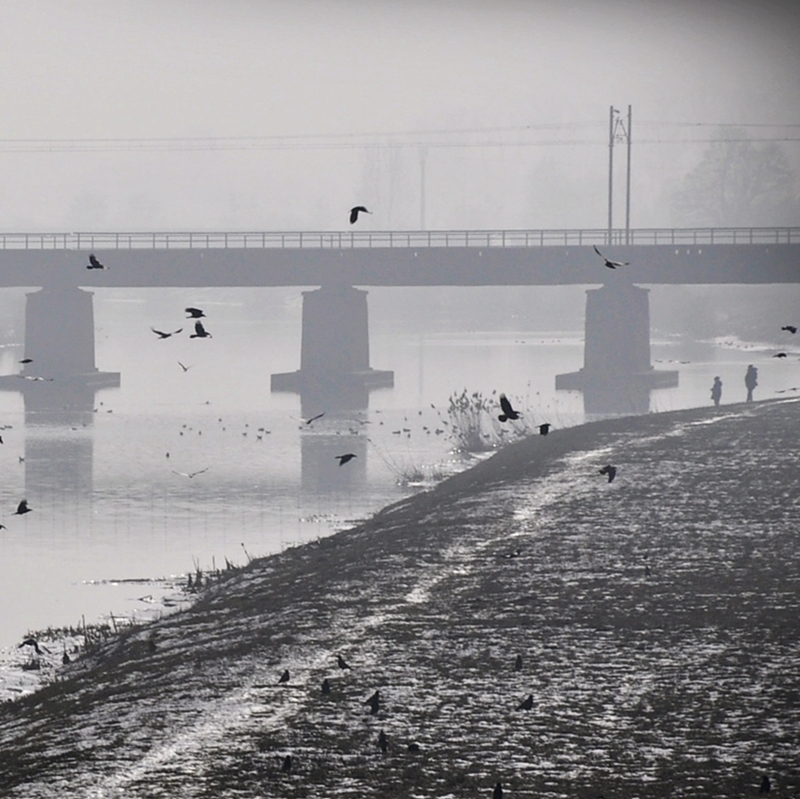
<point x="342" y="85"/>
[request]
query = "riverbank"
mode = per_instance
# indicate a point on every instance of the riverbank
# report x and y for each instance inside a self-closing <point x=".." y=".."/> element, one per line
<point x="656" y="618"/>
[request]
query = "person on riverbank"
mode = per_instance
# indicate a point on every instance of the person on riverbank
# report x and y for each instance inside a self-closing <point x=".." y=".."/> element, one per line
<point x="751" y="381"/>
<point x="716" y="391"/>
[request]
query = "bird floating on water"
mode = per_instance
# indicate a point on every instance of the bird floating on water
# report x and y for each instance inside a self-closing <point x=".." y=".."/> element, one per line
<point x="161" y="334"/>
<point x="200" y="331"/>
<point x="609" y="263"/>
<point x="194" y="313"/>
<point x="508" y="410"/>
<point x="610" y="470"/>
<point x="94" y="263"/>
<point x="346" y="458"/>
<point x="22" y="508"/>
<point x="354" y="212"/>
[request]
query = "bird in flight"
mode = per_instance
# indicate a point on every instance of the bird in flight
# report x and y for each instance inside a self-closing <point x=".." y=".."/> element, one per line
<point x="190" y="475"/>
<point x="508" y="411"/>
<point x="354" y="212"/>
<point x="526" y="704"/>
<point x="27" y="360"/>
<point x="194" y="313"/>
<point x="313" y="418"/>
<point x="780" y="355"/>
<point x="609" y="263"/>
<point x="94" y="263"/>
<point x="31" y="642"/>
<point x="161" y="334"/>
<point x="200" y="331"/>
<point x="22" y="508"/>
<point x="791" y="328"/>
<point x="346" y="458"/>
<point x="544" y="429"/>
<point x="610" y="470"/>
<point x="185" y="368"/>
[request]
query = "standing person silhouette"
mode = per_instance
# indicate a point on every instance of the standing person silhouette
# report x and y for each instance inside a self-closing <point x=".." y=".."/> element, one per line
<point x="751" y="381"/>
<point x="716" y="391"/>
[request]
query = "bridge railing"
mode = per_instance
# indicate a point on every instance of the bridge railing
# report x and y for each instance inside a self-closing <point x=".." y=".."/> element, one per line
<point x="405" y="239"/>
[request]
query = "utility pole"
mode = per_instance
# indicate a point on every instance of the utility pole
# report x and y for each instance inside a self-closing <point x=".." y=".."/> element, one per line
<point x="617" y="123"/>
<point x="628" y="180"/>
<point x="423" y="155"/>
<point x="611" y="131"/>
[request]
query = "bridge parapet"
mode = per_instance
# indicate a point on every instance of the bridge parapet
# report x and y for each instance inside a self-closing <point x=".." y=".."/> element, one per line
<point x="397" y="239"/>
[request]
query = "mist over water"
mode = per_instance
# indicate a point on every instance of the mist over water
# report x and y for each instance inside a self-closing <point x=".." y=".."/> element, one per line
<point x="108" y="505"/>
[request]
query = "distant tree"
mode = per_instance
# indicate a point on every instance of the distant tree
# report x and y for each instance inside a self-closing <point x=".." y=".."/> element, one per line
<point x="739" y="183"/>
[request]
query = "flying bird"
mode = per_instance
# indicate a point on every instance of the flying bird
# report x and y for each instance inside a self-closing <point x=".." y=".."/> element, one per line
<point x="544" y="429"/>
<point x="190" y="475"/>
<point x="610" y="470"/>
<point x="354" y="212"/>
<point x="27" y="360"/>
<point x="200" y="331"/>
<point x="342" y="662"/>
<point x="346" y="458"/>
<point x="791" y="328"/>
<point x="780" y="355"/>
<point x="526" y="704"/>
<point x="374" y="703"/>
<point x="31" y="642"/>
<point x="22" y="508"/>
<point x="609" y="263"/>
<point x="94" y="263"/>
<point x="313" y="418"/>
<point x="185" y="368"/>
<point x="162" y="334"/>
<point x="194" y="313"/>
<point x="508" y="411"/>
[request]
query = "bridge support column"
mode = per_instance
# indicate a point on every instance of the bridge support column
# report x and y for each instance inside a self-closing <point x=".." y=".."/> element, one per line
<point x="334" y="359"/>
<point x="59" y="340"/>
<point x="617" y="376"/>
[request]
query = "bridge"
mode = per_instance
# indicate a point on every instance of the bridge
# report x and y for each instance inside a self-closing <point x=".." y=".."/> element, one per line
<point x="59" y="334"/>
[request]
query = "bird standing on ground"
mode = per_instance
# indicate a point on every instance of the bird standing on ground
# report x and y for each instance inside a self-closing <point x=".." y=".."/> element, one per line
<point x="284" y="677"/>
<point x="497" y="793"/>
<point x="341" y="662"/>
<point x="610" y="470"/>
<point x="544" y="429"/>
<point x="94" y="263"/>
<point x="287" y="764"/>
<point x="383" y="743"/>
<point x="200" y="331"/>
<point x="374" y="703"/>
<point x="22" y="508"/>
<point x="526" y="704"/>
<point x="791" y="328"/>
<point x="354" y="212"/>
<point x="766" y="786"/>
<point x="162" y="334"/>
<point x="346" y="458"/>
<point x="326" y="686"/>
<point x="508" y="410"/>
<point x="518" y="663"/>
<point x="609" y="263"/>
<point x="194" y="313"/>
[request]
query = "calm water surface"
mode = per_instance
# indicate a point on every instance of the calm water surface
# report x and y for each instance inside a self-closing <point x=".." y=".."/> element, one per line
<point x="108" y="505"/>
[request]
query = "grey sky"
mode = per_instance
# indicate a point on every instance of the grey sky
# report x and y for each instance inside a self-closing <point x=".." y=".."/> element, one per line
<point x="93" y="70"/>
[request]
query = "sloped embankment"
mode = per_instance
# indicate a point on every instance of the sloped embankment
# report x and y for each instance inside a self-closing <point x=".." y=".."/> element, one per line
<point x="657" y="620"/>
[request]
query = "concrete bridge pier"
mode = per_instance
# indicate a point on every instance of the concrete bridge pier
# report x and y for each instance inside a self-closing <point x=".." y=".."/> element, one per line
<point x="617" y="375"/>
<point x="59" y="340"/>
<point x="334" y="359"/>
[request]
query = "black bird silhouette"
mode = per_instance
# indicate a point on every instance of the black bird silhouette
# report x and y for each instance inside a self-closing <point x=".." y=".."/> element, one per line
<point x="342" y="663"/>
<point x="284" y="677"/>
<point x="383" y="742"/>
<point x="374" y="703"/>
<point x="27" y="360"/>
<point x="610" y="470"/>
<point x="287" y="764"/>
<point x="354" y="212"/>
<point x="31" y="642"/>
<point x="326" y="686"/>
<point x="22" y="508"/>
<point x="94" y="263"/>
<point x="346" y="458"/>
<point x="766" y="786"/>
<point x="526" y="704"/>
<point x="65" y="658"/>
<point x="162" y="334"/>
<point x="498" y="791"/>
<point x="544" y="429"/>
<point x="508" y="411"/>
<point x="791" y="328"/>
<point x="609" y="263"/>
<point x="413" y="748"/>
<point x="200" y="331"/>
<point x="3" y="527"/>
<point x="1" y="439"/>
<point x="194" y="313"/>
<point x="780" y="355"/>
<point x="518" y="663"/>
<point x="185" y="368"/>
<point x="313" y="418"/>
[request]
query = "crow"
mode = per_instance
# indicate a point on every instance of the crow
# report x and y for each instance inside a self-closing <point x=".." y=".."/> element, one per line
<point x="22" y="508"/>
<point x="354" y="212"/>
<point x="194" y="313"/>
<point x="526" y="704"/>
<point x="326" y="686"/>
<point x="345" y="458"/>
<point x="780" y="355"/>
<point x="341" y="662"/>
<point x="610" y="470"/>
<point x="766" y="786"/>
<point x="508" y="411"/>
<point x="544" y="429"/>
<point x="413" y="748"/>
<point x="791" y="328"/>
<point x="27" y="360"/>
<point x="200" y="331"/>
<point x="382" y="742"/>
<point x="94" y="263"/>
<point x="374" y="703"/>
<point x="287" y="764"/>
<point x="31" y="642"/>
<point x="611" y="264"/>
<point x="284" y="677"/>
<point x="518" y="663"/>
<point x="313" y="418"/>
<point x="162" y="334"/>
<point x="498" y="791"/>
